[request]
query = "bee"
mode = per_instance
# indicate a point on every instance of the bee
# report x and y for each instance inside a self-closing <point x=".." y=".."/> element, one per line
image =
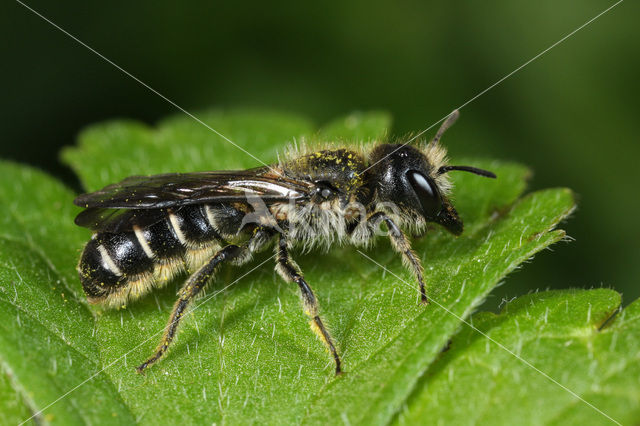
<point x="148" y="229"/>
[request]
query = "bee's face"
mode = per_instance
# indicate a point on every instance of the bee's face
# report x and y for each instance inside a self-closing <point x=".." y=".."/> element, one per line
<point x="408" y="178"/>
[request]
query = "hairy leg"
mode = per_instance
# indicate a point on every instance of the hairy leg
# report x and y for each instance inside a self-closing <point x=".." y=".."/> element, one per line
<point x="290" y="272"/>
<point x="401" y="244"/>
<point x="197" y="281"/>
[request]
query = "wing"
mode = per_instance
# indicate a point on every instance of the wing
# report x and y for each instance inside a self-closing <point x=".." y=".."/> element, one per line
<point x="118" y="220"/>
<point x="142" y="200"/>
<point x="179" y="189"/>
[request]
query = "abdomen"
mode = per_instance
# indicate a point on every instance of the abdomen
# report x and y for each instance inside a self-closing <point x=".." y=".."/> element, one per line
<point x="117" y="267"/>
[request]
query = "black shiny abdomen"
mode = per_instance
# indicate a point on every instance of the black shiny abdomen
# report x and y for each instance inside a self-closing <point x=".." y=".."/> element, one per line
<point x="126" y="252"/>
<point x="229" y="218"/>
<point x="163" y="240"/>
<point x="122" y="258"/>
<point x="97" y="278"/>
<point x="195" y="225"/>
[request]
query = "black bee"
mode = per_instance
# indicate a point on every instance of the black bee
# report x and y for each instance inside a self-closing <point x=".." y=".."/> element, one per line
<point x="150" y="228"/>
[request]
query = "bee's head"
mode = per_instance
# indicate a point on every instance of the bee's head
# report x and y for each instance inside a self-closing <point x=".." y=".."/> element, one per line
<point x="415" y="181"/>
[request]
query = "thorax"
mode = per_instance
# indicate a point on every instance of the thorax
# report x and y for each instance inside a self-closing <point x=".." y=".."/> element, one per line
<point x="326" y="221"/>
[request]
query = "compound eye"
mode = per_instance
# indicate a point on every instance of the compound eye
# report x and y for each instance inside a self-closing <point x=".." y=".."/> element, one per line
<point x="426" y="192"/>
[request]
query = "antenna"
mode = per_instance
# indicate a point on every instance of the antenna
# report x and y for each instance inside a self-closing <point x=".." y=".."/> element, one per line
<point x="475" y="170"/>
<point x="451" y="119"/>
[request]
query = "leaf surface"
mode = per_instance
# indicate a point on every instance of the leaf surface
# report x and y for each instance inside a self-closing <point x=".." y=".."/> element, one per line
<point x="591" y="359"/>
<point x="47" y="341"/>
<point x="246" y="353"/>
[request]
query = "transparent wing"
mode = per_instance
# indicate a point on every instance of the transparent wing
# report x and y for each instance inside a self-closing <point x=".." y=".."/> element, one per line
<point x="142" y="200"/>
<point x="118" y="220"/>
<point x="178" y="189"/>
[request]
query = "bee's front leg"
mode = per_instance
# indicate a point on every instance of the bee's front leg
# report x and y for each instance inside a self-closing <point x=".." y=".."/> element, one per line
<point x="290" y="272"/>
<point x="401" y="244"/>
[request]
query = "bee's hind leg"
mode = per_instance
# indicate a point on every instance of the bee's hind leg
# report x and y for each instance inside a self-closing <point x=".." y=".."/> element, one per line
<point x="290" y="272"/>
<point x="199" y="279"/>
<point x="194" y="284"/>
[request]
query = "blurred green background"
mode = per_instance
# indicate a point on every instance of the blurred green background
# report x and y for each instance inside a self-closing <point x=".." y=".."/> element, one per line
<point x="572" y="115"/>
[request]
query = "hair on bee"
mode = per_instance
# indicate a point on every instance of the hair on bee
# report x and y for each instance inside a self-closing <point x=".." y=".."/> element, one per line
<point x="147" y="229"/>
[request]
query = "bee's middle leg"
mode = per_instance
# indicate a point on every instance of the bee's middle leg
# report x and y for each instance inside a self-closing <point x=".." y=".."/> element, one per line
<point x="290" y="272"/>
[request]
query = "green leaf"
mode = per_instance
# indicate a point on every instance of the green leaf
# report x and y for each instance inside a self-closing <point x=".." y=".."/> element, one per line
<point x="109" y="152"/>
<point x="13" y="408"/>
<point x="246" y="354"/>
<point x="491" y="378"/>
<point x="47" y="343"/>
